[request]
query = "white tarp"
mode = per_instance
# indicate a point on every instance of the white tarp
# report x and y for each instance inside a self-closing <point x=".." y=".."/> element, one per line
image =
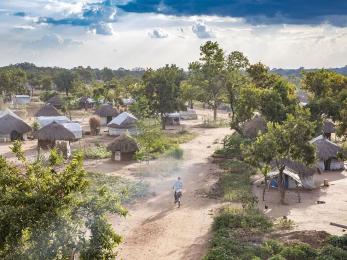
<point x="75" y="128"/>
<point x="46" y="120"/>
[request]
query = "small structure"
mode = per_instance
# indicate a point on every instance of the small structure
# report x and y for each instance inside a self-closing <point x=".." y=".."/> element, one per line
<point x="123" y="148"/>
<point x="253" y="127"/>
<point x="173" y="119"/>
<point x="128" y="101"/>
<point x="12" y="127"/>
<point x="328" y="129"/>
<point x="49" y="134"/>
<point x="48" y="110"/>
<point x="124" y="122"/>
<point x="86" y="102"/>
<point x="106" y="112"/>
<point x="190" y="114"/>
<point x="21" y="99"/>
<point x="56" y="101"/>
<point x="296" y="175"/>
<point x="46" y="120"/>
<point x="327" y="154"/>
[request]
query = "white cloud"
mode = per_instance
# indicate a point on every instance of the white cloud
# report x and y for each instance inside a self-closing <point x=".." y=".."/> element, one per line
<point x="202" y="31"/>
<point x="51" y="41"/>
<point x="102" y="28"/>
<point x="158" y="34"/>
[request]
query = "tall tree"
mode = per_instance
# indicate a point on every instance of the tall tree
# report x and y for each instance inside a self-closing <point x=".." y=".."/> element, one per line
<point x="12" y="82"/>
<point x="64" y="81"/>
<point x="209" y="74"/>
<point x="286" y="141"/>
<point x="162" y="90"/>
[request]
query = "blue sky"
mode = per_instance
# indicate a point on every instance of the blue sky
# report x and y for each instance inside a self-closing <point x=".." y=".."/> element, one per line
<point x="151" y="33"/>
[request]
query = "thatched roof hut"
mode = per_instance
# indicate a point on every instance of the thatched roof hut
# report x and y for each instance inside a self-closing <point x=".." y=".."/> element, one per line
<point x="54" y="131"/>
<point x="254" y="126"/>
<point x="124" y="145"/>
<point x="106" y="110"/>
<point x="48" y="110"/>
<point x="56" y="101"/>
<point x="12" y="126"/>
<point x="328" y="127"/>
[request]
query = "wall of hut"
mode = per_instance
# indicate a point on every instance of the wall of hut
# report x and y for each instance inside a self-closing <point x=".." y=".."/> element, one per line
<point x="118" y="131"/>
<point x="335" y="165"/>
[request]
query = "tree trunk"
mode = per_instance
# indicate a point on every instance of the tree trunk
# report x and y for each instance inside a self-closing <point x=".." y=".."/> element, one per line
<point x="264" y="189"/>
<point x="281" y="185"/>
<point x="191" y="104"/>
<point x="215" y="113"/>
<point x="163" y="123"/>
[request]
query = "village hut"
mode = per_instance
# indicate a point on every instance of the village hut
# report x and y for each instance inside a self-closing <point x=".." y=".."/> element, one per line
<point x="123" y="148"/>
<point x="49" y="134"/>
<point x="328" y="129"/>
<point x="296" y="175"/>
<point x="12" y="127"/>
<point x="48" y="110"/>
<point x="56" y="101"/>
<point x="86" y="103"/>
<point x="190" y="114"/>
<point x="253" y="127"/>
<point x="106" y="112"/>
<point x="172" y="119"/>
<point x="327" y="154"/>
<point x="124" y="122"/>
<point x="21" y="99"/>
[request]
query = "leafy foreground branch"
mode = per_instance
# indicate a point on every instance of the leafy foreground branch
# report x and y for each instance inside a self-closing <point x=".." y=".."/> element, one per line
<point x="46" y="211"/>
<point x="244" y="233"/>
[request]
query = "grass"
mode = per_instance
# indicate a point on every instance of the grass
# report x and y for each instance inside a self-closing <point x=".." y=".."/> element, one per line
<point x="210" y="123"/>
<point x="97" y="152"/>
<point x="127" y="190"/>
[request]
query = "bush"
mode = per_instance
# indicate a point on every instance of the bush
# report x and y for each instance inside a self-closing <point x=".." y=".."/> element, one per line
<point x="340" y="242"/>
<point x="232" y="146"/>
<point x="175" y="152"/>
<point x="332" y="252"/>
<point x="97" y="152"/>
<point x="284" y="224"/>
<point x="270" y="248"/>
<point x="299" y="252"/>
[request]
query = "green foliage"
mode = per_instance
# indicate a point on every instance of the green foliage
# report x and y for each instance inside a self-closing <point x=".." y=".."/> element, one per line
<point x="338" y="241"/>
<point x="17" y="149"/>
<point x="64" y="80"/>
<point x="284" y="224"/>
<point x="97" y="152"/>
<point x="232" y="146"/>
<point x="55" y="158"/>
<point x="12" y="82"/>
<point x="299" y="252"/>
<point x="175" y="152"/>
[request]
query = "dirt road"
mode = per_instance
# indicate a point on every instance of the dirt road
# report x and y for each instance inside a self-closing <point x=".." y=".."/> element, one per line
<point x="156" y="228"/>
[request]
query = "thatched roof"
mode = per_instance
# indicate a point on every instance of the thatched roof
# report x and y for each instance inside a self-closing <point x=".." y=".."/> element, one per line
<point x="296" y="167"/>
<point x="325" y="149"/>
<point x="54" y="132"/>
<point x="106" y="110"/>
<point x="252" y="127"/>
<point x="56" y="101"/>
<point x="48" y="110"/>
<point x="328" y="127"/>
<point x="10" y="122"/>
<point x="124" y="144"/>
<point x="123" y="120"/>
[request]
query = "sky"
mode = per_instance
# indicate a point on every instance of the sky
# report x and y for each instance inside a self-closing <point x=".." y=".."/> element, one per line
<point x="152" y="33"/>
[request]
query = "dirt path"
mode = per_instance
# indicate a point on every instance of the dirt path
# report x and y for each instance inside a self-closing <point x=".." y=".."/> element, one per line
<point x="155" y="228"/>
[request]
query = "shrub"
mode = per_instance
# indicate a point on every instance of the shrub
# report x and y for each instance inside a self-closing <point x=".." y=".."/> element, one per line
<point x="284" y="224"/>
<point x="231" y="146"/>
<point x="299" y="252"/>
<point x="97" y="152"/>
<point x="340" y="242"/>
<point x="175" y="152"/>
<point x="270" y="248"/>
<point x="332" y="252"/>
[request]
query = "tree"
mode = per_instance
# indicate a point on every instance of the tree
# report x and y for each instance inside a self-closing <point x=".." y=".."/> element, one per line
<point x="12" y="82"/>
<point x="46" y="83"/>
<point x="189" y="92"/>
<point x="107" y="74"/>
<point x="48" y="213"/>
<point x="286" y="141"/>
<point x="64" y="81"/>
<point x="209" y="74"/>
<point x="261" y="76"/>
<point x="162" y="90"/>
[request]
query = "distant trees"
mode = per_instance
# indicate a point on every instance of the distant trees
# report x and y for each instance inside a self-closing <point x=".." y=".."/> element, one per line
<point x="64" y="81"/>
<point x="46" y="211"/>
<point x="161" y="90"/>
<point x="12" y="82"/>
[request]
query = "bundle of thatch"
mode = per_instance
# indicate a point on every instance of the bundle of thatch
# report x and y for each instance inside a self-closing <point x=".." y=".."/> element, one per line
<point x="125" y="145"/>
<point x="48" y="110"/>
<point x="254" y="126"/>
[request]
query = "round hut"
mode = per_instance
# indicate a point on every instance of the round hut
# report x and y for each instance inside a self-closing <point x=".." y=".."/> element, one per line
<point x="253" y="127"/>
<point x="328" y="129"/>
<point x="123" y="148"/>
<point x="12" y="127"/>
<point x="106" y="112"/>
<point x="48" y="110"/>
<point x="49" y="134"/>
<point x="56" y="101"/>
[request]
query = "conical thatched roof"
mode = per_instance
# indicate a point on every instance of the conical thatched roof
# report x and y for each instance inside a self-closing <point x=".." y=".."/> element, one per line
<point x="123" y="120"/>
<point x="328" y="127"/>
<point x="106" y="110"/>
<point x="54" y="132"/>
<point x="56" y="101"/>
<point x="252" y="127"/>
<point x="325" y="149"/>
<point x="123" y="144"/>
<point x="48" y="110"/>
<point x="10" y="122"/>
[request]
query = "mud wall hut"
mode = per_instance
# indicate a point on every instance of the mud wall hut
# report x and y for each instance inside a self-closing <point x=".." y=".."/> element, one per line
<point x="106" y="112"/>
<point x="12" y="127"/>
<point x="123" y="148"/>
